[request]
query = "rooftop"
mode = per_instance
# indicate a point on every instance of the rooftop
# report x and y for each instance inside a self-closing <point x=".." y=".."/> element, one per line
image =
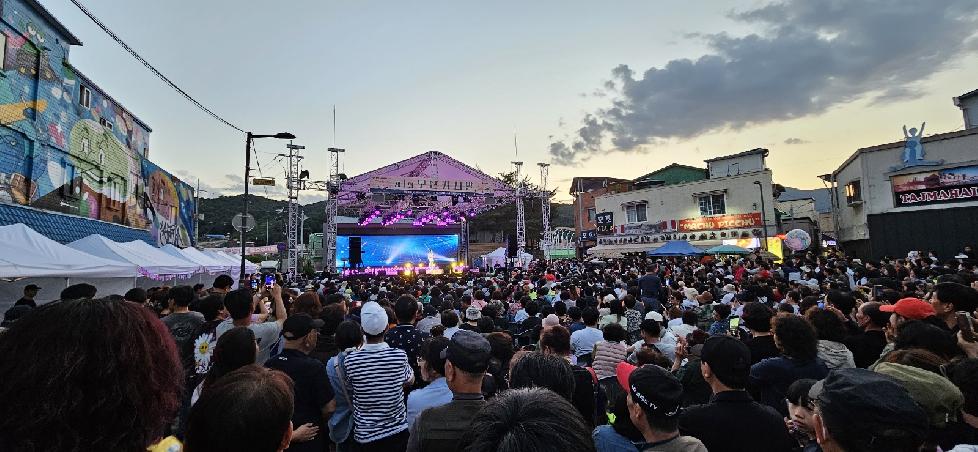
<point x="90" y="84"/>
<point x="967" y="95"/>
<point x="740" y="154"/>
<point x="588" y="183"/>
<point x="57" y="25"/>
<point x="899" y="144"/>
<point x="675" y="173"/>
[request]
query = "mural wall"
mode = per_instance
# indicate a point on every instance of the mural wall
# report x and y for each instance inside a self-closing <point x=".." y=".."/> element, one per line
<point x="65" y="146"/>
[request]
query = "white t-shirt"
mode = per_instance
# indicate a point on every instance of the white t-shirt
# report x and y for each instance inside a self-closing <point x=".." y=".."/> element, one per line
<point x="267" y="334"/>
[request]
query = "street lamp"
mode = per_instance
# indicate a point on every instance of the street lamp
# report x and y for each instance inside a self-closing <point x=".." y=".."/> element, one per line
<point x="250" y="136"/>
<point x="760" y="188"/>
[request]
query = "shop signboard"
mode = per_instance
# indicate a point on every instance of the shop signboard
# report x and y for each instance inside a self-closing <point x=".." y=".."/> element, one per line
<point x="647" y="227"/>
<point x="936" y="187"/>
<point x="605" y="222"/>
<point x="589" y="235"/>
<point x="721" y="222"/>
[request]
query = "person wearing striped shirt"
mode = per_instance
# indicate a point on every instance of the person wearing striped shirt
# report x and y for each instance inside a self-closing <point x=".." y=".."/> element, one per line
<point x="377" y="376"/>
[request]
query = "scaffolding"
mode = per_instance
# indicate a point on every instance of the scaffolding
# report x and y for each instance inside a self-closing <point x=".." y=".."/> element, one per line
<point x="520" y="213"/>
<point x="293" y="184"/>
<point x="546" y="239"/>
<point x="332" y="205"/>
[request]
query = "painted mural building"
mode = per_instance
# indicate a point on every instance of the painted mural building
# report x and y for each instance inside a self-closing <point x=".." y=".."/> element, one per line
<point x="68" y="148"/>
<point x="918" y="194"/>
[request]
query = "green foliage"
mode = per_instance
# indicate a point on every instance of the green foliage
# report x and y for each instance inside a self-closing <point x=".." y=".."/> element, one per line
<point x="218" y="213"/>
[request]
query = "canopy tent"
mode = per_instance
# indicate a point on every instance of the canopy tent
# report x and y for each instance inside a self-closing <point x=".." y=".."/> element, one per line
<point x="101" y="246"/>
<point x="25" y="253"/>
<point x="728" y="249"/>
<point x="498" y="257"/>
<point x="209" y="266"/>
<point x="234" y="261"/>
<point x="175" y="266"/>
<point x="210" y="263"/>
<point x="677" y="248"/>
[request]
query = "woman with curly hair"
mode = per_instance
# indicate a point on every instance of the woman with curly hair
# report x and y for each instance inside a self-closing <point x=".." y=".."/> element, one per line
<point x="798" y="343"/>
<point x="87" y="375"/>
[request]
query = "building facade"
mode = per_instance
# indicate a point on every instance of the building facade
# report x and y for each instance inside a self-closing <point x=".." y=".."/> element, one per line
<point x="585" y="190"/>
<point x="67" y="147"/>
<point x="917" y="194"/>
<point x="732" y="201"/>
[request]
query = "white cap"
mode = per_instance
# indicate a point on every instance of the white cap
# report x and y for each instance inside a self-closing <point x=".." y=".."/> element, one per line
<point x="373" y="318"/>
<point x="653" y="315"/>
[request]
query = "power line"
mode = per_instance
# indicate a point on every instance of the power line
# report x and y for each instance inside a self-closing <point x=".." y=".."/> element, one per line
<point x="153" y="69"/>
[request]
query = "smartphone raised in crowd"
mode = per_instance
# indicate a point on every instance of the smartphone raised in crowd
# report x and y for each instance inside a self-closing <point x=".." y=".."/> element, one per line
<point x="269" y="280"/>
<point x="966" y="325"/>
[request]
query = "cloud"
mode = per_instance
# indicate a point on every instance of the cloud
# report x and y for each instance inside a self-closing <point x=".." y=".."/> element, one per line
<point x="795" y="141"/>
<point x="805" y="57"/>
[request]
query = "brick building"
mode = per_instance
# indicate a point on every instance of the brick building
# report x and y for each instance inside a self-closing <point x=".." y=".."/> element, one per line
<point x="73" y="160"/>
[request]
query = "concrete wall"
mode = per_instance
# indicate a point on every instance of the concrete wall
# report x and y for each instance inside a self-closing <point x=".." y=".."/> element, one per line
<point x="736" y="165"/>
<point x="57" y="154"/>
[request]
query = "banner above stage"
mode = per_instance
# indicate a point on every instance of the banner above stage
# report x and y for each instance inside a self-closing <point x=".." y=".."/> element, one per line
<point x="429" y="184"/>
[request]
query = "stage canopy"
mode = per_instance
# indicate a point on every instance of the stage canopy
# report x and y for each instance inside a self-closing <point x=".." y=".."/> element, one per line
<point x="430" y="188"/>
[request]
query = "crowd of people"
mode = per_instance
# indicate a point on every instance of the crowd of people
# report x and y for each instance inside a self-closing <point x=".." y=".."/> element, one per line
<point x="816" y="353"/>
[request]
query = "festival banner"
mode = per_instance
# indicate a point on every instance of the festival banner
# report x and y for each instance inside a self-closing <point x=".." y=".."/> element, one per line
<point x="719" y="222"/>
<point x="605" y="221"/>
<point x="936" y="187"/>
<point x="429" y="184"/>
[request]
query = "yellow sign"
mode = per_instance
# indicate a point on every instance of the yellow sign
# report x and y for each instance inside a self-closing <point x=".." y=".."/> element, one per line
<point x="263" y="181"/>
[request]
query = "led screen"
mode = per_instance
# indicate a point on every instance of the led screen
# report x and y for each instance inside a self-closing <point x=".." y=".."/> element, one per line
<point x="391" y="250"/>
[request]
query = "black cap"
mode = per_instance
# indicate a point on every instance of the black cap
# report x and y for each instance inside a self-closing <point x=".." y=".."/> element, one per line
<point x="299" y="325"/>
<point x="656" y="390"/>
<point x="468" y="351"/>
<point x="868" y="402"/>
<point x="729" y="360"/>
<point x="32" y="287"/>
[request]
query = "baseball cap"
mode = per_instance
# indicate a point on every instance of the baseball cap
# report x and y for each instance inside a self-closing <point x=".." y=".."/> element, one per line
<point x="868" y="402"/>
<point x="299" y="325"/>
<point x="911" y="308"/>
<point x="32" y="287"/>
<point x="729" y="360"/>
<point x="468" y="351"/>
<point x="652" y="387"/>
<point x="653" y="315"/>
<point x="730" y="288"/>
<point x="373" y="318"/>
<point x="473" y="313"/>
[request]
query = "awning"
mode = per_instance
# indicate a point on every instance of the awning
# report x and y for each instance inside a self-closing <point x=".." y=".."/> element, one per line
<point x="619" y="250"/>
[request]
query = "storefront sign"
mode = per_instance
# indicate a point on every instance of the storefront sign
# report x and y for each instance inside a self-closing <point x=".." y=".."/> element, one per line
<point x="605" y="221"/>
<point x="589" y="235"/>
<point x="647" y="227"/>
<point x="935" y="187"/>
<point x="429" y="184"/>
<point x="719" y="222"/>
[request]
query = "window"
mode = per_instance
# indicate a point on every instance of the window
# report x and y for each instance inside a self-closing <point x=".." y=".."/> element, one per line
<point x="635" y="213"/>
<point x="3" y="47"/>
<point x="712" y="205"/>
<point x="85" y="97"/>
<point x="86" y="146"/>
<point x="590" y="215"/>
<point x="854" y="193"/>
<point x="105" y="123"/>
<point x="68" y="184"/>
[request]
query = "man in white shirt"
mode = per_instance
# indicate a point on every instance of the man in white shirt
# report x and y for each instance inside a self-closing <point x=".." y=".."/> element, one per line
<point x="241" y="304"/>
<point x="582" y="341"/>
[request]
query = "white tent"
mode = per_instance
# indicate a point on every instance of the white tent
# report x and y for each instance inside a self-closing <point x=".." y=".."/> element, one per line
<point x="25" y="253"/>
<point x="206" y="264"/>
<point x="235" y="261"/>
<point x="171" y="265"/>
<point x="210" y="263"/>
<point x="101" y="246"/>
<point x="498" y="257"/>
<point x="27" y="257"/>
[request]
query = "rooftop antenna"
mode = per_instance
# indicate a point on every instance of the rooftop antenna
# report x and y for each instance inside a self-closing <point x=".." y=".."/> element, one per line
<point x="334" y="125"/>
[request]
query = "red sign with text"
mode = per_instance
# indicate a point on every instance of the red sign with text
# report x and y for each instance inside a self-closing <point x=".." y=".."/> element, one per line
<point x="736" y="221"/>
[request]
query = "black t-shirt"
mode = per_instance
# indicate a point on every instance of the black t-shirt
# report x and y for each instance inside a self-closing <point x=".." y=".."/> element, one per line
<point x="26" y="302"/>
<point x="312" y="389"/>
<point x="866" y="347"/>
<point x="650" y="286"/>
<point x="761" y="347"/>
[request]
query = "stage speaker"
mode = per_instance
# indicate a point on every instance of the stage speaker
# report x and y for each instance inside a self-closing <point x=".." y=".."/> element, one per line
<point x="356" y="251"/>
<point x="511" y="246"/>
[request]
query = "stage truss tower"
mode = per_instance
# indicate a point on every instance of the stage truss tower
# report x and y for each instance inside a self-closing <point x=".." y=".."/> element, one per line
<point x="293" y="184"/>
<point x="520" y="213"/>
<point x="332" y="204"/>
<point x="545" y="210"/>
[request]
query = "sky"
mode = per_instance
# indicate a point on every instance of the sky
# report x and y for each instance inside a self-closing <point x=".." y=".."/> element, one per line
<point x="615" y="89"/>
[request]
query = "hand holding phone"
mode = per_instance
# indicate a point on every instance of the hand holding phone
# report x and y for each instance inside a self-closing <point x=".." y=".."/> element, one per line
<point x="269" y="280"/>
<point x="966" y="326"/>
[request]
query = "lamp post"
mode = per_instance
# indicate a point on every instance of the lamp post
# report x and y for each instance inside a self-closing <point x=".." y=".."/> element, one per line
<point x="760" y="189"/>
<point x="250" y="136"/>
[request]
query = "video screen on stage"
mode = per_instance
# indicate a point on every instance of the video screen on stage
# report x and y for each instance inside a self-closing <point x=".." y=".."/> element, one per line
<point x="393" y="250"/>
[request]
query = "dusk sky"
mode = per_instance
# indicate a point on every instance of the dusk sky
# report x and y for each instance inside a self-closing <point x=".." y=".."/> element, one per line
<point x="595" y="88"/>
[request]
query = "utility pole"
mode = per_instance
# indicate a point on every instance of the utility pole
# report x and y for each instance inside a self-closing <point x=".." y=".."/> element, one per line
<point x="293" y="184"/>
